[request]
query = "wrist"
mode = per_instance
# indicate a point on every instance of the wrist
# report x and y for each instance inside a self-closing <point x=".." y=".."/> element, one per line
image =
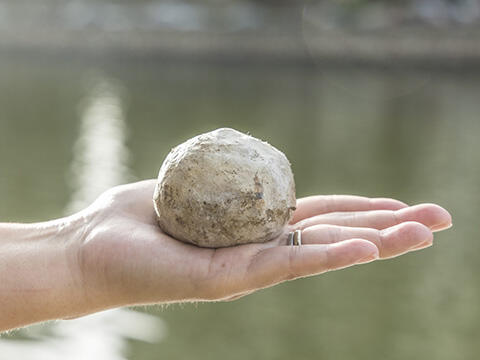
<point x="39" y="272"/>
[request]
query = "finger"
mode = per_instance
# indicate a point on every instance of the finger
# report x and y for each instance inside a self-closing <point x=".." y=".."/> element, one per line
<point x="280" y="263"/>
<point x="322" y="204"/>
<point x="390" y="242"/>
<point x="430" y="215"/>
<point x="422" y="246"/>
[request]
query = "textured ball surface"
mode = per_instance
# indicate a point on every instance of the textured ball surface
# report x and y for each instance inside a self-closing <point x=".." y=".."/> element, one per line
<point x="224" y="188"/>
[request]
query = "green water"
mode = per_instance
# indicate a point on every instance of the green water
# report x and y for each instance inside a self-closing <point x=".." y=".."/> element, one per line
<point x="344" y="132"/>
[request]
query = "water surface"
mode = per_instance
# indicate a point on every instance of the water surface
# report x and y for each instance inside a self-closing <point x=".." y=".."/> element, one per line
<point x="349" y="131"/>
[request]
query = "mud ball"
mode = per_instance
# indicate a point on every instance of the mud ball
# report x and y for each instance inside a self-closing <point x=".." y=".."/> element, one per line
<point x="224" y="188"/>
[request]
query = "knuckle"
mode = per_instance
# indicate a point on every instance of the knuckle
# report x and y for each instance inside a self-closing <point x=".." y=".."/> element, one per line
<point x="292" y="261"/>
<point x="337" y="234"/>
<point x="328" y="261"/>
<point x="380" y="240"/>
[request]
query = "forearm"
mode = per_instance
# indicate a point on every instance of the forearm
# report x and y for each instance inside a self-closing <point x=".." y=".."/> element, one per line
<point x="39" y="280"/>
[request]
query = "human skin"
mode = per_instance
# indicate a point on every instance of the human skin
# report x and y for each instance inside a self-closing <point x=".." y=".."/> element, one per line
<point x="113" y="254"/>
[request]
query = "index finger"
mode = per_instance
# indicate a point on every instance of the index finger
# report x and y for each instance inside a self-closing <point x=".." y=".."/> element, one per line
<point x="322" y="204"/>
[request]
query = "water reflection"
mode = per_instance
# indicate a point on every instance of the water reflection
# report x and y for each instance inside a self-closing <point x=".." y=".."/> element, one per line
<point x="101" y="157"/>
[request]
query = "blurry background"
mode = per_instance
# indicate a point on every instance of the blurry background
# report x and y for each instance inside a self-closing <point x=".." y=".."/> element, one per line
<point x="376" y="98"/>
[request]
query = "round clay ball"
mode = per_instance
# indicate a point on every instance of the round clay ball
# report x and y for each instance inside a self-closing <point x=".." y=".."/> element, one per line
<point x="224" y="188"/>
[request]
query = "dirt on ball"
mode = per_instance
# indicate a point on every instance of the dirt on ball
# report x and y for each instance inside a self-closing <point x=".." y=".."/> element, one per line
<point x="224" y="188"/>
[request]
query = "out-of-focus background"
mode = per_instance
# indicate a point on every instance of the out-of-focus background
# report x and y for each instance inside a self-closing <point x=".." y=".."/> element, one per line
<point x="376" y="98"/>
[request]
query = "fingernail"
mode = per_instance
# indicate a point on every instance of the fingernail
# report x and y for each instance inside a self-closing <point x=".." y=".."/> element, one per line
<point x="423" y="245"/>
<point x="367" y="259"/>
<point x="443" y="226"/>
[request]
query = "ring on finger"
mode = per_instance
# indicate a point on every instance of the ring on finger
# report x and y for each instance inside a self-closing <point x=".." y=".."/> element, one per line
<point x="295" y="238"/>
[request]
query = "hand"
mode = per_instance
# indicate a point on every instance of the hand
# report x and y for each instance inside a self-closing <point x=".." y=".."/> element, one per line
<point x="124" y="257"/>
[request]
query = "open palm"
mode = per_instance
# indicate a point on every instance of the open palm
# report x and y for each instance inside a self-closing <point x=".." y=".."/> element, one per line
<point x="126" y="255"/>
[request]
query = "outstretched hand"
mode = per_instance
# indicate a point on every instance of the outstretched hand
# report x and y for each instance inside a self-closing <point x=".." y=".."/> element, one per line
<point x="125" y="258"/>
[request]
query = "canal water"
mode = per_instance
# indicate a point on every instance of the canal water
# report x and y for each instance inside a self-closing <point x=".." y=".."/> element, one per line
<point x="71" y="128"/>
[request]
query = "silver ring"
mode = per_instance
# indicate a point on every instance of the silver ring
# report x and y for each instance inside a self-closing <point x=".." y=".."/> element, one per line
<point x="295" y="238"/>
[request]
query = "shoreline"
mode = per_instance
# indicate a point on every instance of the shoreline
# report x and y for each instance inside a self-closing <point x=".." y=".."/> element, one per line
<point x="419" y="49"/>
